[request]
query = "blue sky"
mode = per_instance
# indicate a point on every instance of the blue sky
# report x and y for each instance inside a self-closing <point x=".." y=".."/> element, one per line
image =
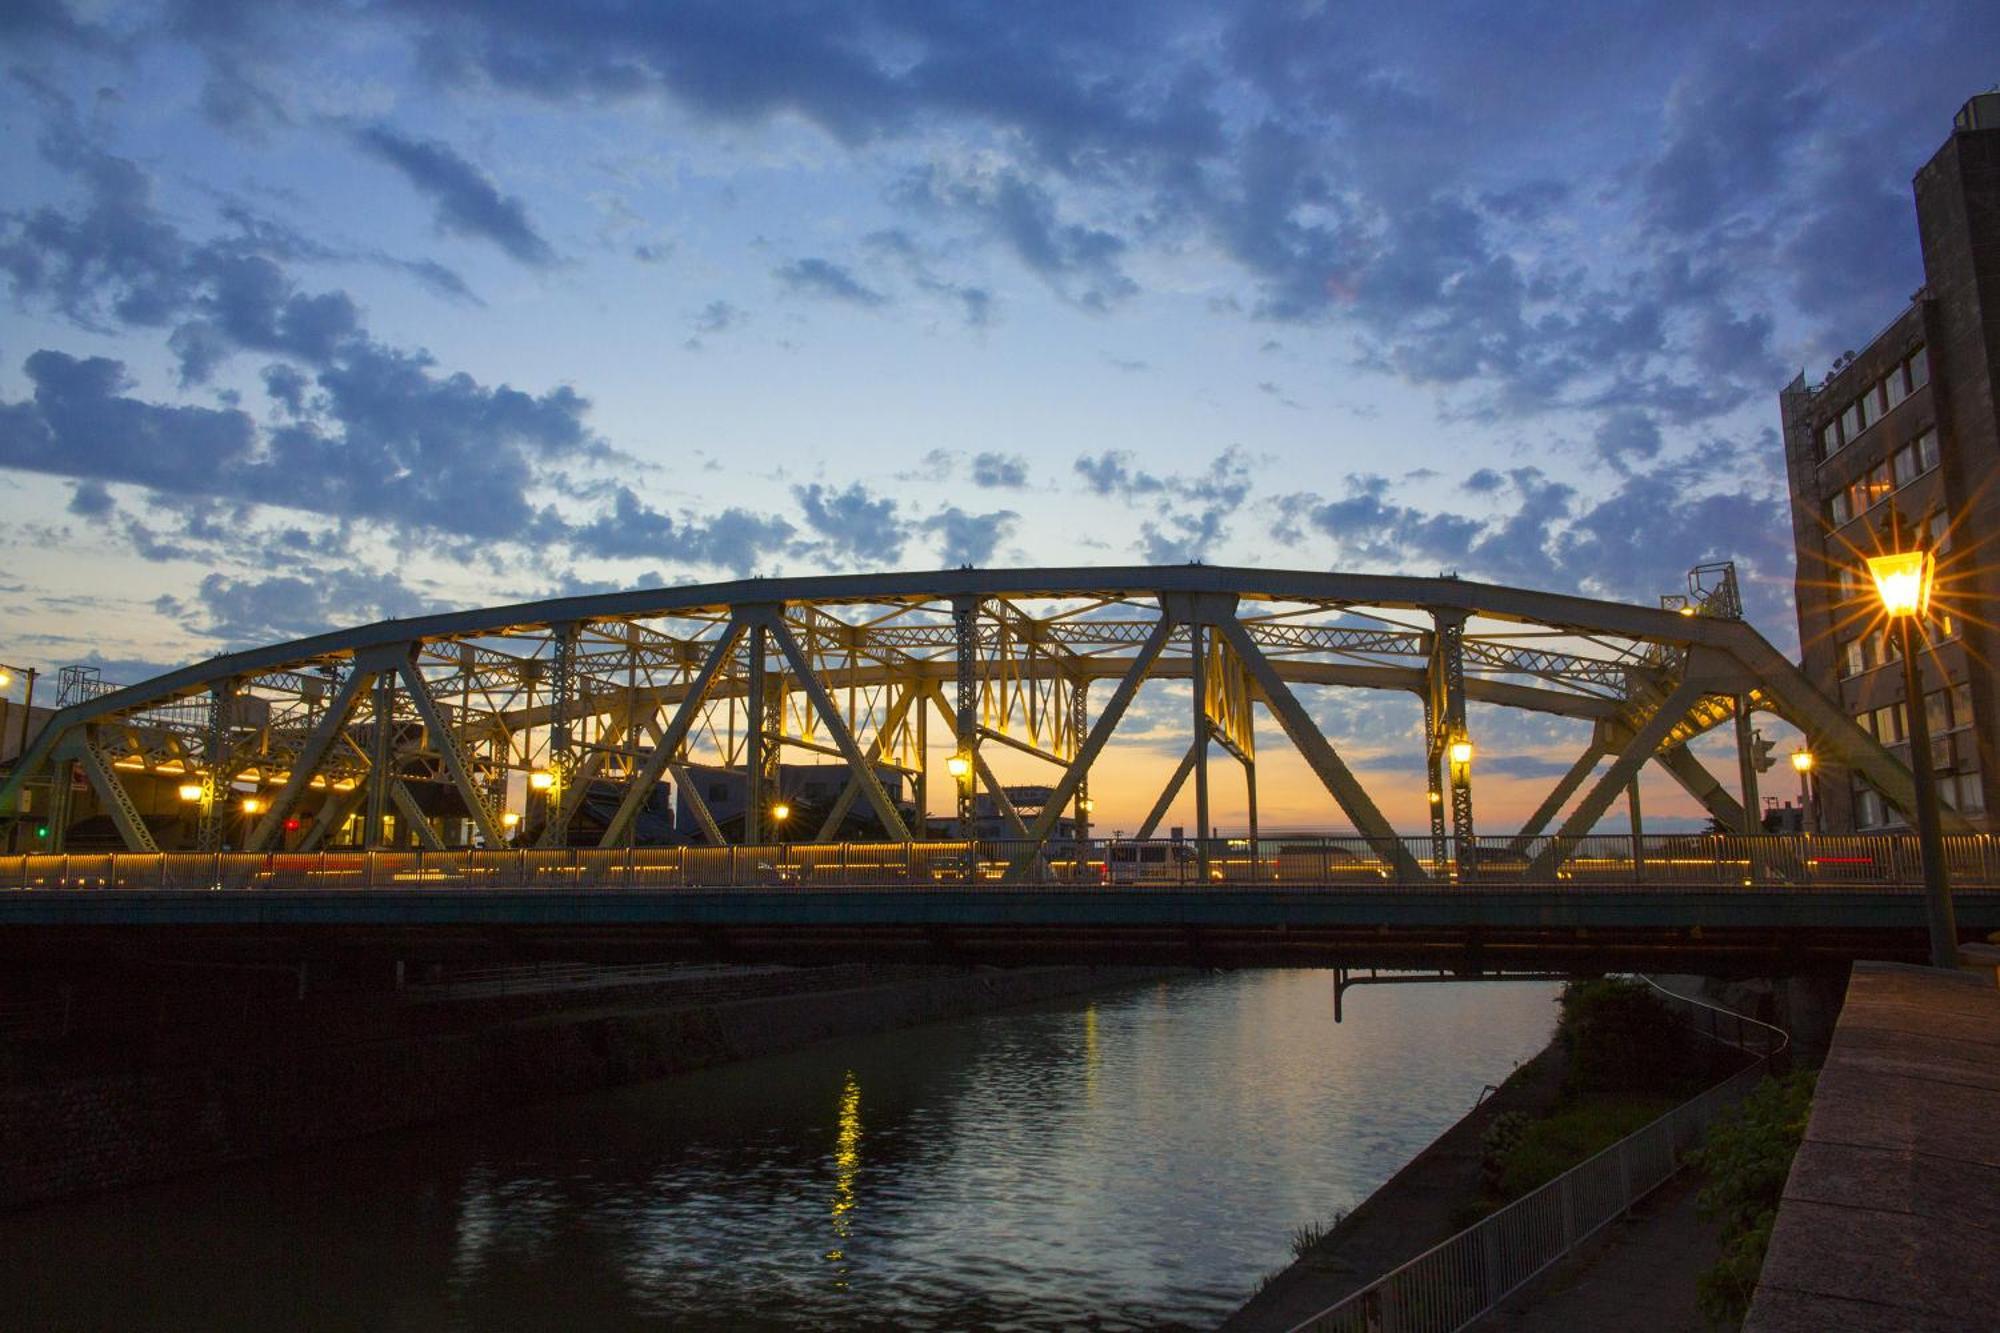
<point x="318" y="313"/>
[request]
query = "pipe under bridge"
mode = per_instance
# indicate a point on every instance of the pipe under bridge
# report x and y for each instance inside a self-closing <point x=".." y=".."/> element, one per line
<point x="517" y="718"/>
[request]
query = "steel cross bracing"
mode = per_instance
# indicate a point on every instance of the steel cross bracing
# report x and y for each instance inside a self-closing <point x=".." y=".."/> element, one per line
<point x="448" y="714"/>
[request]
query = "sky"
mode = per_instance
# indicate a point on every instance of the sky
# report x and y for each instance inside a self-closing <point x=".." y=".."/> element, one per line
<point x="320" y="313"/>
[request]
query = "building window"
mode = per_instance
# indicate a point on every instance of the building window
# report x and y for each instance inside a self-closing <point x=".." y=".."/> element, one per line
<point x="1880" y="485"/>
<point x="1866" y="721"/>
<point x="1850" y="421"/>
<point x="1905" y="465"/>
<point x="1937" y="711"/>
<point x="1940" y="530"/>
<point x="1927" y="451"/>
<point x="1971" y="794"/>
<point x="1868" y="812"/>
<point x="1839" y="508"/>
<point x="1888" y="726"/>
<point x="1851" y="654"/>
<point x="1920" y="369"/>
<point x="1961" y="705"/>
<point x="1896" y="388"/>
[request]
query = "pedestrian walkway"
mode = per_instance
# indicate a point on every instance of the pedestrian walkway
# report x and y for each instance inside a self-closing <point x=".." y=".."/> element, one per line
<point x="1891" y="1214"/>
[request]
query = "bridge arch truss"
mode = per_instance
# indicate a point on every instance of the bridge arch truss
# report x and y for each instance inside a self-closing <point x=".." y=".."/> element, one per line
<point x="616" y="692"/>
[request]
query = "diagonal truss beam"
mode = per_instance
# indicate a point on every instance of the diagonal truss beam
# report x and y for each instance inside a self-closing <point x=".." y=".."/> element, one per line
<point x="420" y="824"/>
<point x="1001" y="800"/>
<point x="899" y="708"/>
<point x="1319" y="753"/>
<point x="871" y="785"/>
<point x="1644" y="744"/>
<point x="697" y="806"/>
<point x="555" y="832"/>
<point x="332" y="724"/>
<point x="1169" y="792"/>
<point x="671" y="740"/>
<point x="1698" y="782"/>
<point x="336" y="810"/>
<point x="1086" y="755"/>
<point x="1558" y="796"/>
<point x="446" y="743"/>
<point x="111" y="794"/>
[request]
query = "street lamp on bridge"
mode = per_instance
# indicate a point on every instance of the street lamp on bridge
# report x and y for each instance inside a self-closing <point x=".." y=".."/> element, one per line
<point x="1903" y="581"/>
<point x="1802" y="764"/>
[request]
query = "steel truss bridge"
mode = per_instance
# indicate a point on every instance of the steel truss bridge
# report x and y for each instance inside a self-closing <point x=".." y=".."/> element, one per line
<point x="620" y="691"/>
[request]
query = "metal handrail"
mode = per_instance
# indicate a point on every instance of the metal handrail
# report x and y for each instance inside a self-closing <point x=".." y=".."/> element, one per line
<point x="1692" y="861"/>
<point x="1452" y="1284"/>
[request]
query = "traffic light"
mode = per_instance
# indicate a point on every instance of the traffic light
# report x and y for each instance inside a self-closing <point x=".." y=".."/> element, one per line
<point x="1760" y="752"/>
<point x="41" y="830"/>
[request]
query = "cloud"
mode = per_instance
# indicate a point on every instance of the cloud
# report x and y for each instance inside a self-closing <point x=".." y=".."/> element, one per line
<point x="466" y="200"/>
<point x="823" y="278"/>
<point x="716" y="317"/>
<point x="734" y="539"/>
<point x="90" y="499"/>
<point x="969" y="539"/>
<point x="254" y="611"/>
<point x="855" y="524"/>
<point x="999" y="470"/>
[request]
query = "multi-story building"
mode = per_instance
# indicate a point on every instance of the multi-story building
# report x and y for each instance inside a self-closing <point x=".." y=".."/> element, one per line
<point x="1908" y="426"/>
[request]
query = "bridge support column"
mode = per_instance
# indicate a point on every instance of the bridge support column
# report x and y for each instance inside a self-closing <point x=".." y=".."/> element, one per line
<point x="753" y="740"/>
<point x="965" y="722"/>
<point x="1638" y="829"/>
<point x="1746" y="769"/>
<point x="1198" y="661"/>
<point x="1079" y="725"/>
<point x="381" y="758"/>
<point x="1447" y="687"/>
<point x="216" y="775"/>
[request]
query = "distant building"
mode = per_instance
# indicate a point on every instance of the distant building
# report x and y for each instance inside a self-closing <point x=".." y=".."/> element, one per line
<point x="808" y="791"/>
<point x="1910" y="423"/>
<point x="989" y="821"/>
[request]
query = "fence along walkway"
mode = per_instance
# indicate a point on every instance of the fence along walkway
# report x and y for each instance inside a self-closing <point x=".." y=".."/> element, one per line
<point x="1672" y="860"/>
<point x="1450" y="1286"/>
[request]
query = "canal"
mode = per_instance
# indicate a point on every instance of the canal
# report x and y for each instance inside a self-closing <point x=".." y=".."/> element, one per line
<point x="1135" y="1159"/>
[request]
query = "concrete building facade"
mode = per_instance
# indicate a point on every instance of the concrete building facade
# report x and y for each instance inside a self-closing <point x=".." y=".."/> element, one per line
<point x="1908" y="427"/>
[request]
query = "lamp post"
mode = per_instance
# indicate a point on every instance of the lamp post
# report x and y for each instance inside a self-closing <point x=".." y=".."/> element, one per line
<point x="1903" y="582"/>
<point x="1802" y="764"/>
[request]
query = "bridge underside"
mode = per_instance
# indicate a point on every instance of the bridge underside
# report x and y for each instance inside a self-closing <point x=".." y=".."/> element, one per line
<point x="1748" y="932"/>
<point x="560" y="723"/>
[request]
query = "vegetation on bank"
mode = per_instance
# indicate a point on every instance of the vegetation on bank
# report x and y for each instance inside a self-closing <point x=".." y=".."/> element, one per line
<point x="1629" y="1059"/>
<point x="1744" y="1162"/>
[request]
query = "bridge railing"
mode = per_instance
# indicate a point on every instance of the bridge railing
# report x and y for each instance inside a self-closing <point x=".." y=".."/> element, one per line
<point x="1691" y="861"/>
<point x="1452" y="1285"/>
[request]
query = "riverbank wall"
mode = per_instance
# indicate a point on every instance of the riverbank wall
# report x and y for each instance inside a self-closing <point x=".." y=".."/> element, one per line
<point x="224" y="1082"/>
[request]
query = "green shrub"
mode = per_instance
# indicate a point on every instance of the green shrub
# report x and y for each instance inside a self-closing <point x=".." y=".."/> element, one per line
<point x="1548" y="1147"/>
<point x="1621" y="1038"/>
<point x="1744" y="1160"/>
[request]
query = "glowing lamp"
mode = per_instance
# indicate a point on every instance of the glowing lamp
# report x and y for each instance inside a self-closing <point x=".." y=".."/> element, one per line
<point x="1802" y="761"/>
<point x="252" y="805"/>
<point x="1461" y="752"/>
<point x="781" y="812"/>
<point x="1086" y="805"/>
<point x="541" y="779"/>
<point x="1903" y="581"/>
<point x="5" y="680"/>
<point x="1687" y="610"/>
<point x="958" y="766"/>
<point x="190" y="791"/>
<point x="510" y="819"/>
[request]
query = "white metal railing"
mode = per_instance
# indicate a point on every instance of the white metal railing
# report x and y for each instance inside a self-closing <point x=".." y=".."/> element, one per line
<point x="1448" y="1287"/>
<point x="1692" y="861"/>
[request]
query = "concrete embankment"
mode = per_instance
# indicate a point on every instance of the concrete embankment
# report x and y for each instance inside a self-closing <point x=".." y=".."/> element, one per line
<point x="1418" y="1207"/>
<point x="99" y="1110"/>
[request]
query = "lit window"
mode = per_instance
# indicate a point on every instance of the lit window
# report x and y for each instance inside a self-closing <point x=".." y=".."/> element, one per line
<point x="1866" y="721"/>
<point x="1888" y="726"/>
<point x="1920" y="369"/>
<point x="1927" y="451"/>
<point x="1880" y="485"/>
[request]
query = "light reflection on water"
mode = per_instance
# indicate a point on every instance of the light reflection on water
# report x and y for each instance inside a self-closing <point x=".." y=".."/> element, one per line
<point x="1135" y="1159"/>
